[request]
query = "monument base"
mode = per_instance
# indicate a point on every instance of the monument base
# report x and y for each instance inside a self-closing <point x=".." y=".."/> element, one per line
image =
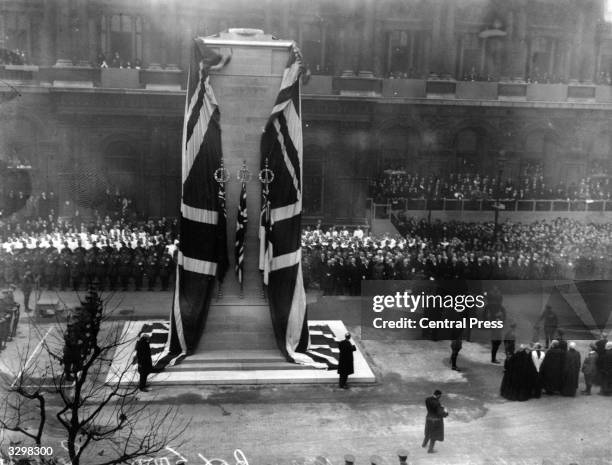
<point x="238" y="366"/>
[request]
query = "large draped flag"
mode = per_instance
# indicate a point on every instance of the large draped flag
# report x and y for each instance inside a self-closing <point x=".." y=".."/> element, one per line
<point x="202" y="254"/>
<point x="280" y="235"/>
<point x="241" y="225"/>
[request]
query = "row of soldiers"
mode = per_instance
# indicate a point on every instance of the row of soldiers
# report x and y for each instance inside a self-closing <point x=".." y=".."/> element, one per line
<point x="107" y="267"/>
<point x="341" y="271"/>
<point x="9" y="316"/>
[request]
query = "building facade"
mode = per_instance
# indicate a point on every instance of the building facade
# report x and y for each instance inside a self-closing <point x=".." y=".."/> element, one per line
<point x="429" y="86"/>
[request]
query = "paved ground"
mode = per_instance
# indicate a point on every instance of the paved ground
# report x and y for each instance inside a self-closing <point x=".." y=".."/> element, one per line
<point x="288" y="425"/>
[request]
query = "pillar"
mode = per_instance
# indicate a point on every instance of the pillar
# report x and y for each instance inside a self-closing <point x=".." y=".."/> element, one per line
<point x="366" y="52"/>
<point x="47" y="39"/>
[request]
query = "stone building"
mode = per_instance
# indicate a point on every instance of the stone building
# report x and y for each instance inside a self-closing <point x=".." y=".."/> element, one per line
<point x="432" y="85"/>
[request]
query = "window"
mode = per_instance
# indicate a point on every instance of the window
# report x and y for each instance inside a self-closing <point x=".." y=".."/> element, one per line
<point x="608" y="12"/>
<point x="405" y="53"/>
<point x="312" y="47"/>
<point x="470" y="57"/>
<point x="122" y="34"/>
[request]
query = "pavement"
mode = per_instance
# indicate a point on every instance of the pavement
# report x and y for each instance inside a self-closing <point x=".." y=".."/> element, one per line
<point x="293" y="425"/>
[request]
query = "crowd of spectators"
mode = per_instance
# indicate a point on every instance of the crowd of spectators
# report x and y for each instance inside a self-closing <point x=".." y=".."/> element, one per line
<point x="61" y="254"/>
<point x="337" y="260"/>
<point x="402" y="184"/>
<point x="116" y="61"/>
<point x="12" y="57"/>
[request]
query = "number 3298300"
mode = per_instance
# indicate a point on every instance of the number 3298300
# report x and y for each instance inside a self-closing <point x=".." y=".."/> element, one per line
<point x="30" y="451"/>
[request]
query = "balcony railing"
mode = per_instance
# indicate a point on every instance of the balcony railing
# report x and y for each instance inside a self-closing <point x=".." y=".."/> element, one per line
<point x="173" y="79"/>
<point x="382" y="210"/>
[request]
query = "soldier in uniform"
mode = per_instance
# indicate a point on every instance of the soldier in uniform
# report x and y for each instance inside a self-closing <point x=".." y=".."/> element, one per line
<point x="51" y="266"/>
<point x="138" y="268"/>
<point x="77" y="269"/>
<point x="125" y="267"/>
<point x="63" y="268"/>
<point x="165" y="271"/>
<point x="114" y="261"/>
<point x="101" y="269"/>
<point x="152" y="269"/>
<point x="90" y="265"/>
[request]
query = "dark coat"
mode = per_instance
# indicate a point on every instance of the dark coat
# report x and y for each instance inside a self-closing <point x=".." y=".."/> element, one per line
<point x="434" y="422"/>
<point x="551" y="371"/>
<point x="143" y="356"/>
<point x="606" y="375"/>
<point x="345" y="360"/>
<point x="571" y="372"/>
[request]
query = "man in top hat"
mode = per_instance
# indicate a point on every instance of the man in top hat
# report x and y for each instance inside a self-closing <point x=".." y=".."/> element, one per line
<point x="345" y="360"/>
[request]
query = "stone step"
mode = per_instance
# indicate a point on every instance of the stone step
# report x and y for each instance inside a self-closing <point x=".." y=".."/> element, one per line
<point x="238" y="366"/>
<point x="236" y="355"/>
<point x="246" y="340"/>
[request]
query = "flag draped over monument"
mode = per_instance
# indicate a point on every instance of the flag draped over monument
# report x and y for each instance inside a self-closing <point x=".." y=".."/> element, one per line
<point x="280" y="254"/>
<point x="202" y="254"/>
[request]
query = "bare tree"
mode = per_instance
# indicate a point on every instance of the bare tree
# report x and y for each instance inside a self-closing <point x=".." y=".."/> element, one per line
<point x="103" y="419"/>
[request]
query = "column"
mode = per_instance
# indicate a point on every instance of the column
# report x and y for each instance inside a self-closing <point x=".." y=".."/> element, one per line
<point x="450" y="44"/>
<point x="519" y="44"/>
<point x="436" y="56"/>
<point x="588" y="40"/>
<point x="63" y="34"/>
<point x="366" y="52"/>
<point x="81" y="33"/>
<point x="47" y="57"/>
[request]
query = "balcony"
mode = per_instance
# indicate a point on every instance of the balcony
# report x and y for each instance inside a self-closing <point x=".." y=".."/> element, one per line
<point x="68" y="76"/>
<point x="172" y="79"/>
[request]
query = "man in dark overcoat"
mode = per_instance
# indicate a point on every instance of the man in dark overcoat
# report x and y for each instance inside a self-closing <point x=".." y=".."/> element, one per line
<point x="143" y="357"/>
<point x="345" y="360"/>
<point x="571" y="371"/>
<point x="551" y="371"/>
<point x="434" y="421"/>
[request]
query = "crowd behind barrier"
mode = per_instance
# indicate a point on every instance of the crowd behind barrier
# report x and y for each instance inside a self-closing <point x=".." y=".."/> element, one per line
<point x="337" y="260"/>
<point x="531" y="185"/>
<point x="61" y="254"/>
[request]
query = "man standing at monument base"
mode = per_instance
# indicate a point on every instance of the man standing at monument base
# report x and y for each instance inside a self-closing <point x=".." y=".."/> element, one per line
<point x="345" y="360"/>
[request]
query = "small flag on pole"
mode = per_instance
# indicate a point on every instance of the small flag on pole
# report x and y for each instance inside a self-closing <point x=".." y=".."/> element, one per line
<point x="241" y="225"/>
